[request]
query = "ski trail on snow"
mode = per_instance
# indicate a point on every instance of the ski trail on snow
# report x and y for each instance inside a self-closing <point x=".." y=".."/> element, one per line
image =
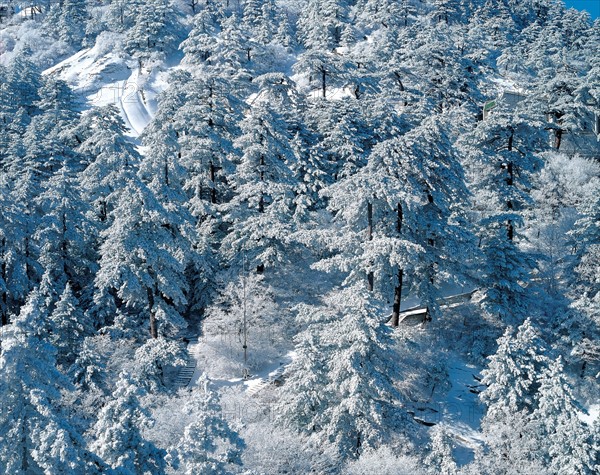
<point x="131" y="103"/>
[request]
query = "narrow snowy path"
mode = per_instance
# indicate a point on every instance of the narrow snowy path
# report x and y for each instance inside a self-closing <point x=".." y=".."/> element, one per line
<point x="253" y="384"/>
<point x="132" y="104"/>
<point x="459" y="409"/>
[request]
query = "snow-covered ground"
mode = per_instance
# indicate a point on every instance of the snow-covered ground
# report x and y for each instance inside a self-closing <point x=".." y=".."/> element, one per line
<point x="593" y="413"/>
<point x="101" y="78"/>
<point x="460" y="410"/>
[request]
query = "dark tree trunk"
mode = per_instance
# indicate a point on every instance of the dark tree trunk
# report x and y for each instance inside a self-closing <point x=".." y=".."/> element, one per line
<point x="324" y="82"/>
<point x="400" y="86"/>
<point x="65" y="246"/>
<point x="397" y="299"/>
<point x="24" y="463"/>
<point x="558" y="138"/>
<point x="261" y="204"/>
<point x="370" y="281"/>
<point x="370" y="276"/>
<point x="28" y="269"/>
<point x="4" y="308"/>
<point x="153" y="326"/>
<point x="103" y="211"/>
<point x="213" y="189"/>
<point x="398" y="288"/>
<point x="260" y="268"/>
<point x="510" y="182"/>
<point x="261" y="200"/>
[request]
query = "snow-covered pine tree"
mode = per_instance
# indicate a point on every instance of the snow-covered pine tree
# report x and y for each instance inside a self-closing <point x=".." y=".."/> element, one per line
<point x="142" y="262"/>
<point x="65" y="234"/>
<point x="439" y="460"/>
<point x="155" y="31"/>
<point x="500" y="157"/>
<point x="13" y="281"/>
<point x="209" y="445"/>
<point x="584" y="286"/>
<point x="201" y="42"/>
<point x="446" y="11"/>
<point x="120" y="15"/>
<point x="440" y="75"/>
<point x="151" y="359"/>
<point x="303" y="400"/>
<point x="323" y="69"/>
<point x="27" y="271"/>
<point x="345" y="137"/>
<point x="511" y="381"/>
<point x="322" y="24"/>
<point x="197" y="111"/>
<point x="564" y="439"/>
<point x="306" y="160"/>
<point x="68" y="327"/>
<point x="23" y="80"/>
<point x="260" y="212"/>
<point x="347" y="393"/>
<point x="397" y="220"/>
<point x="259" y="20"/>
<point x="235" y="53"/>
<point x="35" y="436"/>
<point x="72" y="19"/>
<point x="47" y="142"/>
<point x="111" y="159"/>
<point x="511" y="375"/>
<point x="60" y="104"/>
<point x="374" y="14"/>
<point x="117" y="434"/>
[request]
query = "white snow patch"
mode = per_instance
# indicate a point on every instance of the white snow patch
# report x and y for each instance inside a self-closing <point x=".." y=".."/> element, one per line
<point x="253" y="384"/>
<point x="459" y="409"/>
<point x="6" y="333"/>
<point x="593" y="414"/>
<point x="103" y="78"/>
<point x="133" y="104"/>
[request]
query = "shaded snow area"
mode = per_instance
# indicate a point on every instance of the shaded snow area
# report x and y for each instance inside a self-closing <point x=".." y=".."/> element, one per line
<point x="101" y="78"/>
<point x="459" y="409"/>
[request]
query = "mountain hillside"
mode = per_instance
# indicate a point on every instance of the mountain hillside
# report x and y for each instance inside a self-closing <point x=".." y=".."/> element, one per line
<point x="299" y="236"/>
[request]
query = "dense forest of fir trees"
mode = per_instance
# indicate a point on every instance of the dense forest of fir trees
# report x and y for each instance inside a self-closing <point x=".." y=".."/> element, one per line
<point x="311" y="167"/>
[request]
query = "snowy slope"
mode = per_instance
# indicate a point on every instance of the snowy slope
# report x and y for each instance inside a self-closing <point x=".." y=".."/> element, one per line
<point x="460" y="410"/>
<point x="100" y="78"/>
